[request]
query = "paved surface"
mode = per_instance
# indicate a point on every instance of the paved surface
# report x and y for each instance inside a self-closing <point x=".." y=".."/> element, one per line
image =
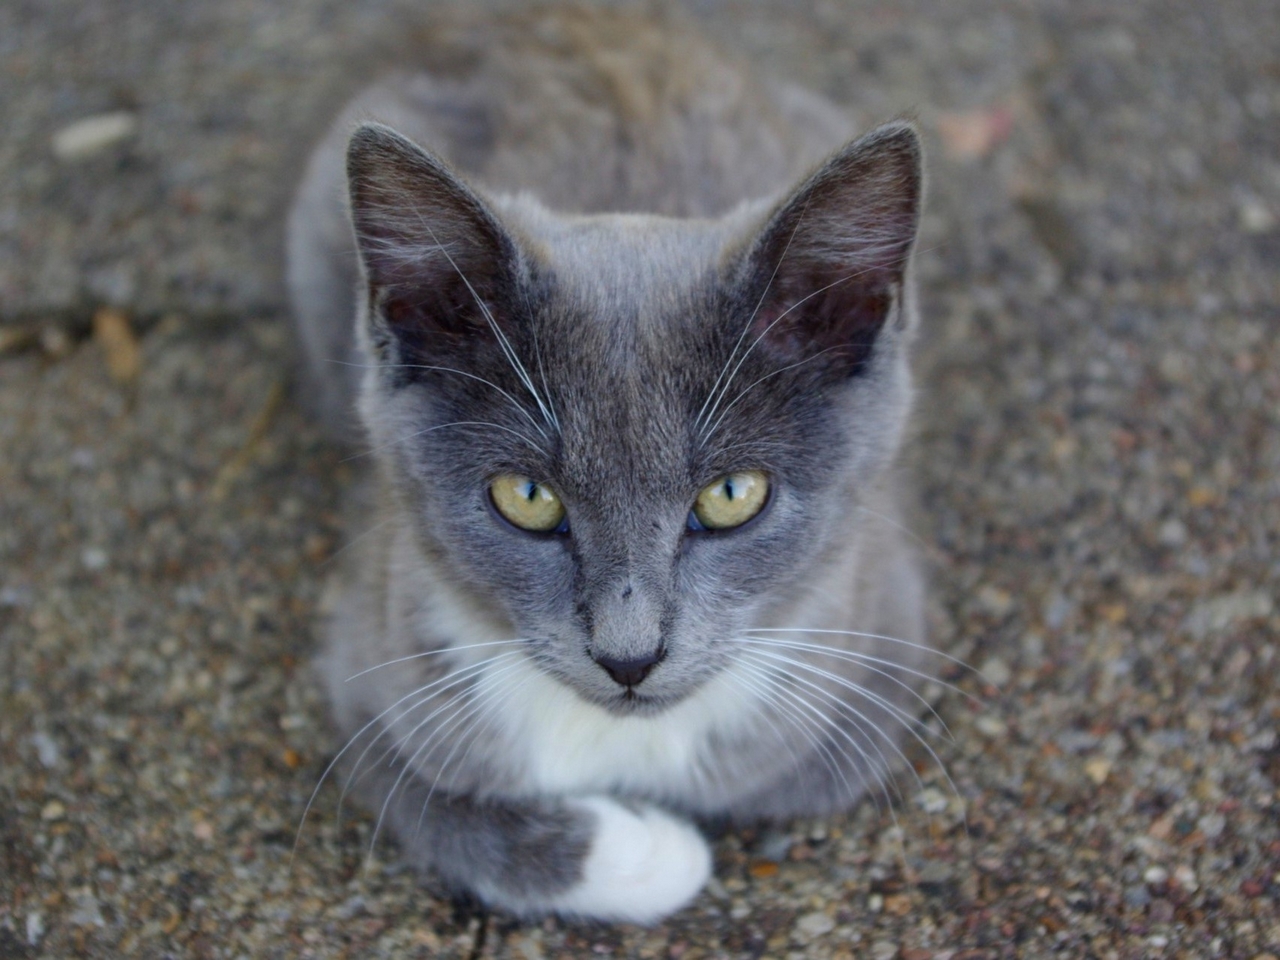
<point x="1098" y="449"/>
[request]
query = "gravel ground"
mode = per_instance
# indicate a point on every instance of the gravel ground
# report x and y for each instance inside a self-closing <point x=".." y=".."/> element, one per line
<point x="1098" y="447"/>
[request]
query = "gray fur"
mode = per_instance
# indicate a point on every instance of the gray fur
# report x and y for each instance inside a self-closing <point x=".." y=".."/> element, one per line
<point x="618" y="296"/>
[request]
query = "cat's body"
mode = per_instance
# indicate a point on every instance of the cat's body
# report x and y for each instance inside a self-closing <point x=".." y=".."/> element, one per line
<point x="556" y="699"/>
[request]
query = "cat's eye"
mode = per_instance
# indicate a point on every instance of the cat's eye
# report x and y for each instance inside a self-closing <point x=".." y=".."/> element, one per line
<point x="527" y="504"/>
<point x="730" y="502"/>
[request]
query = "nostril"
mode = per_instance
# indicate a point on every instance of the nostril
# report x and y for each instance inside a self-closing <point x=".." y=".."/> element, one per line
<point x="630" y="673"/>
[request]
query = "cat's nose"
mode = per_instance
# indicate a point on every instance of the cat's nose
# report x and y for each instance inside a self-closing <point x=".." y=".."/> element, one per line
<point x="630" y="673"/>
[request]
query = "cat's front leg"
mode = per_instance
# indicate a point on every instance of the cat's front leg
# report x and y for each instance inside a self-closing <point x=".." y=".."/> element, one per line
<point x="593" y="856"/>
<point x="643" y="863"/>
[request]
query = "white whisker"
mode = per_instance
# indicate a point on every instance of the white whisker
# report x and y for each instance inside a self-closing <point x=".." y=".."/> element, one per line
<point x="406" y="766"/>
<point x="924" y="648"/>
<point x="491" y="701"/>
<point x="866" y="661"/>
<point x="355" y="540"/>
<point x="441" y="426"/>
<point x="768" y="689"/>
<point x="746" y="327"/>
<point x="909" y="723"/>
<point x="816" y="716"/>
<point x="432" y="653"/>
<point x="901" y="528"/>
<point x="355" y="738"/>
<point x="503" y="342"/>
<point x="778" y="319"/>
<point x="462" y="373"/>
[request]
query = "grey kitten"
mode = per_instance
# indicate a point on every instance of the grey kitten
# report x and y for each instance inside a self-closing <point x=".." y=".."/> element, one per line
<point x="634" y="372"/>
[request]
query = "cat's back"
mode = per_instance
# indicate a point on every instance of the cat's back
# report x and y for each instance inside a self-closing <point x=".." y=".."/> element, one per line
<point x="597" y="110"/>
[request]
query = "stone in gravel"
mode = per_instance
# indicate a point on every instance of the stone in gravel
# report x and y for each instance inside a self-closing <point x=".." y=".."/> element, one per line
<point x="46" y="748"/>
<point x="774" y="844"/>
<point x="94" y="558"/>
<point x="991" y="727"/>
<point x="996" y="672"/>
<point x="1097" y="769"/>
<point x="1185" y="878"/>
<point x="53" y="810"/>
<point x="813" y="925"/>
<point x="35" y="929"/>
<point x="884" y="950"/>
<point x="933" y="800"/>
<point x="1137" y="897"/>
<point x="1212" y="825"/>
<point x="84" y="138"/>
<point x="1255" y="217"/>
<point x="87" y="912"/>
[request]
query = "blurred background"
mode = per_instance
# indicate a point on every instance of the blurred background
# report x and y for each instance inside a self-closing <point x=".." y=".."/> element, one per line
<point x="1097" y="451"/>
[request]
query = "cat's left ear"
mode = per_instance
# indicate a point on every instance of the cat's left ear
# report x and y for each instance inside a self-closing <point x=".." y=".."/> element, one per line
<point x="438" y="263"/>
<point x="827" y="272"/>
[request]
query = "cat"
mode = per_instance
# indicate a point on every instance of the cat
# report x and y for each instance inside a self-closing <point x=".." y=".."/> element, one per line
<point x="627" y="329"/>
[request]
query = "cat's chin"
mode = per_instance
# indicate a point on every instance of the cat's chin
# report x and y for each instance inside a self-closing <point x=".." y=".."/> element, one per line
<point x="633" y="703"/>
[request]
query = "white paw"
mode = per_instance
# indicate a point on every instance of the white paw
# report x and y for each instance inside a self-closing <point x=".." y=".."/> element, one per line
<point x="642" y="865"/>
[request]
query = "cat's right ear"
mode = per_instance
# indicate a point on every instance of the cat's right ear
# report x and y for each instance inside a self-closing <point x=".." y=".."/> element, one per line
<point x="437" y="261"/>
<point x="828" y="271"/>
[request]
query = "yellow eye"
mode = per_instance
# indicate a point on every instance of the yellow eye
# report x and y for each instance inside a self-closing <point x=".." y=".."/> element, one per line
<point x="527" y="504"/>
<point x="731" y="501"/>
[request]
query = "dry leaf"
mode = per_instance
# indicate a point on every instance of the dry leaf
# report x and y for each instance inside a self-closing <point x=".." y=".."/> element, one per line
<point x="111" y="329"/>
<point x="973" y="134"/>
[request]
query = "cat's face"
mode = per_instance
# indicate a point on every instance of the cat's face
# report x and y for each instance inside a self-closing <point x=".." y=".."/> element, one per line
<point x="651" y="430"/>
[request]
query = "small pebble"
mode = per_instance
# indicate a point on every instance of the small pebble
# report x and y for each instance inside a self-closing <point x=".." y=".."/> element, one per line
<point x="1156" y="876"/>
<point x="1097" y="769"/>
<point x="883" y="950"/>
<point x="991" y="727"/>
<point x="84" y="138"/>
<point x="995" y="601"/>
<point x="1137" y="897"/>
<point x="46" y="749"/>
<point x="1212" y="825"/>
<point x="53" y="810"/>
<point x="1172" y="533"/>
<point x="1185" y="877"/>
<point x="932" y="800"/>
<point x="815" y="924"/>
<point x="996" y="672"/>
<point x="1256" y="218"/>
<point x="35" y="929"/>
<point x="93" y="558"/>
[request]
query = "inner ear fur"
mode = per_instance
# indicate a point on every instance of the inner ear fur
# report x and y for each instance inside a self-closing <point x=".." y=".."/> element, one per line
<point x="826" y="271"/>
<point x="434" y="255"/>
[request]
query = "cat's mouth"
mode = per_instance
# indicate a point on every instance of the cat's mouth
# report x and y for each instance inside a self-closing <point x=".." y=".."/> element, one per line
<point x="631" y="702"/>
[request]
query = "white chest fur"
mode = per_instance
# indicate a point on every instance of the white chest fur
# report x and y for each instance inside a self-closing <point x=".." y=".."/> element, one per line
<point x="569" y="746"/>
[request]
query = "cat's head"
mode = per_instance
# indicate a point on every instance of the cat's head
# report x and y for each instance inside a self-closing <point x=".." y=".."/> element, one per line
<point x="634" y="436"/>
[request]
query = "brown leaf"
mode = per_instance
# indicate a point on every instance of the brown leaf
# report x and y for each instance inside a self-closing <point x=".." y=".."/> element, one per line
<point x="112" y="330"/>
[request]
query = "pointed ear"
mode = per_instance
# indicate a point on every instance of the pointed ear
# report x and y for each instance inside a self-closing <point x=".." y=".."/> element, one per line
<point x="827" y="270"/>
<point x="434" y="256"/>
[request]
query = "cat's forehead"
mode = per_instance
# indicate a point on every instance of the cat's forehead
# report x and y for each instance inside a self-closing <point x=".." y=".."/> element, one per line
<point x="622" y="267"/>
